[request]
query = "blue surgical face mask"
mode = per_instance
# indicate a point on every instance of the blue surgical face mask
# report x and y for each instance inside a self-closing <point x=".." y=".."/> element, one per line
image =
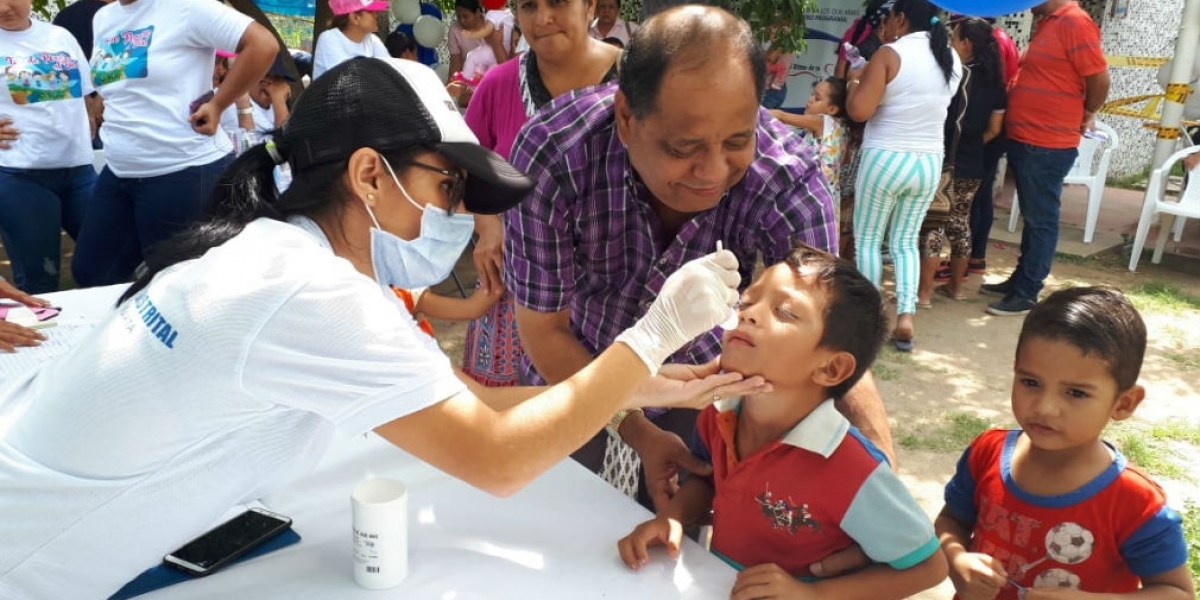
<point x="426" y="260"/>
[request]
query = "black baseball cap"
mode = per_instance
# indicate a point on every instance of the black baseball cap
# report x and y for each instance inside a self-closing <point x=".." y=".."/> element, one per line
<point x="278" y="69"/>
<point x="392" y="104"/>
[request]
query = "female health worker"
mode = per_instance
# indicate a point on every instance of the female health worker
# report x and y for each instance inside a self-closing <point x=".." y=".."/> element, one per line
<point x="226" y="369"/>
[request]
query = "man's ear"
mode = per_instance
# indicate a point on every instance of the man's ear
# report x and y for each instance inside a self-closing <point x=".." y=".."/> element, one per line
<point x="623" y="116"/>
<point x="1127" y="402"/>
<point x="838" y="367"/>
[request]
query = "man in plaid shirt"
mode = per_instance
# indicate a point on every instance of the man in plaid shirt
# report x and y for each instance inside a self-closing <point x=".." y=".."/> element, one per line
<point x="638" y="177"/>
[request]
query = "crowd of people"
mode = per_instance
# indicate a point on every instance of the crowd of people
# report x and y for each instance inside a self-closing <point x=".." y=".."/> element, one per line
<point x="618" y="224"/>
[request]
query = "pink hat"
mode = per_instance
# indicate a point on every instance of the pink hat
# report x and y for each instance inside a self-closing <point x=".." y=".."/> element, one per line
<point x="345" y="7"/>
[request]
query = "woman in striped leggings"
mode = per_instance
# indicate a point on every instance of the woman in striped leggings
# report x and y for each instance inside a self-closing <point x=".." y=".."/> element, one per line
<point x="902" y="94"/>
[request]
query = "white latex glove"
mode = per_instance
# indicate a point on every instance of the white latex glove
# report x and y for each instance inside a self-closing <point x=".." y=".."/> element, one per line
<point x="693" y="300"/>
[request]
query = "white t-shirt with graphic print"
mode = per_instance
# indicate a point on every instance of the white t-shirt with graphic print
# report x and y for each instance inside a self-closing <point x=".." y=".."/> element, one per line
<point x="150" y="60"/>
<point x="221" y="382"/>
<point x="45" y="77"/>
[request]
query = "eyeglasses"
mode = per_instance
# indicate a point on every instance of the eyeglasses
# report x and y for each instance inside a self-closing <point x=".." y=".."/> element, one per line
<point x="458" y="182"/>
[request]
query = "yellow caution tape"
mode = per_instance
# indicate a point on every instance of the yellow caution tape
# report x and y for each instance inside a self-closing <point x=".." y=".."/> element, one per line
<point x="1178" y="92"/>
<point x="1123" y="107"/>
<point x="1169" y="133"/>
<point x="1135" y="61"/>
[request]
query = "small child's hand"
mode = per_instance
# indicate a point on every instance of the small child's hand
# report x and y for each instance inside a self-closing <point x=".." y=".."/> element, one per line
<point x="634" y="548"/>
<point x="977" y="576"/>
<point x="483" y="298"/>
<point x="763" y="582"/>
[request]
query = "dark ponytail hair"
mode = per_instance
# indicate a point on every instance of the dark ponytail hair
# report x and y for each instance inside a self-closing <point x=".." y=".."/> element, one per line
<point x="872" y="15"/>
<point x="984" y="49"/>
<point x="923" y="16"/>
<point x="246" y="192"/>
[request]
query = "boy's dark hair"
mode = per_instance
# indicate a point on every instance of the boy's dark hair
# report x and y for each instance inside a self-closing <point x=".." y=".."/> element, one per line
<point x="855" y="321"/>
<point x="1098" y="320"/>
<point x="399" y="42"/>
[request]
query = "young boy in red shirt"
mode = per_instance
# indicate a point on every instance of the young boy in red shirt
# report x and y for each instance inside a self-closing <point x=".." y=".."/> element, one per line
<point x="1051" y="505"/>
<point x="792" y="481"/>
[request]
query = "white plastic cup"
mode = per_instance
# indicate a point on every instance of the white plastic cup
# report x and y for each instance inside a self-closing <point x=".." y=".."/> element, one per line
<point x="380" y="519"/>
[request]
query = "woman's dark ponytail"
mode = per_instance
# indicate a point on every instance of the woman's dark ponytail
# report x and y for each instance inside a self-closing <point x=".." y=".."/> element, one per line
<point x="939" y="44"/>
<point x="923" y="16"/>
<point x="245" y="192"/>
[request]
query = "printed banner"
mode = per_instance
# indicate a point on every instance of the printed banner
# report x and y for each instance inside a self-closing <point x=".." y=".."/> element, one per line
<point x="42" y="77"/>
<point x="122" y="56"/>
<point x="825" y="28"/>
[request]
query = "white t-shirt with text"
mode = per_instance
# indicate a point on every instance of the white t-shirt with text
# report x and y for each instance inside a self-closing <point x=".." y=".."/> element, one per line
<point x="46" y="77"/>
<point x="222" y="381"/>
<point x="151" y="59"/>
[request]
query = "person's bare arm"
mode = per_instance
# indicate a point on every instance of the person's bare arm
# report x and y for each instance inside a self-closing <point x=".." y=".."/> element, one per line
<point x="995" y="126"/>
<point x="94" y="103"/>
<point x="879" y="582"/>
<point x="863" y="98"/>
<point x="549" y="343"/>
<point x="975" y="576"/>
<point x="693" y="501"/>
<point x="1095" y="92"/>
<point x="448" y="308"/>
<point x="813" y="123"/>
<point x="489" y="251"/>
<point x="256" y="50"/>
<point x="495" y="39"/>
<point x="863" y="407"/>
<point x="456" y="63"/>
<point x="502" y="451"/>
<point x="280" y="91"/>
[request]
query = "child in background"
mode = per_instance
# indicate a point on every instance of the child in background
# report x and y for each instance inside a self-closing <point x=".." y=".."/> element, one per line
<point x="1051" y="505"/>
<point x="792" y="481"/>
<point x="424" y="304"/>
<point x="778" y="65"/>
<point x="824" y="121"/>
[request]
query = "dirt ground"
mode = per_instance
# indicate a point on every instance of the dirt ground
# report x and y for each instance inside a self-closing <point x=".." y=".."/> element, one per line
<point x="963" y="365"/>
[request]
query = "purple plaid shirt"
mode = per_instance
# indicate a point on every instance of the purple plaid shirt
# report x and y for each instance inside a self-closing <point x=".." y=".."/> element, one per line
<point x="584" y="239"/>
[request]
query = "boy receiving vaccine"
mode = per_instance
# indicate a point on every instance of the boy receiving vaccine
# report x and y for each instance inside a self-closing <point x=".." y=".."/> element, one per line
<point x="792" y="481"/>
<point x="1051" y="511"/>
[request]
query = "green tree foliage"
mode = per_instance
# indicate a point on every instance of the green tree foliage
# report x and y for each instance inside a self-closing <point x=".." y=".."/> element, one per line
<point x="788" y="15"/>
<point x="45" y="9"/>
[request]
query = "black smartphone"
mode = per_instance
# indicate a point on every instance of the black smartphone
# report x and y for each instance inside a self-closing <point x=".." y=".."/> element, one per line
<point x="216" y="548"/>
<point x="198" y="102"/>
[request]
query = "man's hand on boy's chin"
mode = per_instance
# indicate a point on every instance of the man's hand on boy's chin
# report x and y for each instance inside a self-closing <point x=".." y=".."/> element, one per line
<point x="846" y="560"/>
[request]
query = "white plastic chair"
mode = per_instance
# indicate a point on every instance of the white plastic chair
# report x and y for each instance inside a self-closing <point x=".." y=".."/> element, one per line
<point x="1082" y="174"/>
<point x="98" y="160"/>
<point x="1184" y="142"/>
<point x="1156" y="203"/>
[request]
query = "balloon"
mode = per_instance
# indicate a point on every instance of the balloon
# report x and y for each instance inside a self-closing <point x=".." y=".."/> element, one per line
<point x="493" y="4"/>
<point x="429" y="31"/>
<point x="443" y="71"/>
<point x="987" y="8"/>
<point x="406" y="11"/>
